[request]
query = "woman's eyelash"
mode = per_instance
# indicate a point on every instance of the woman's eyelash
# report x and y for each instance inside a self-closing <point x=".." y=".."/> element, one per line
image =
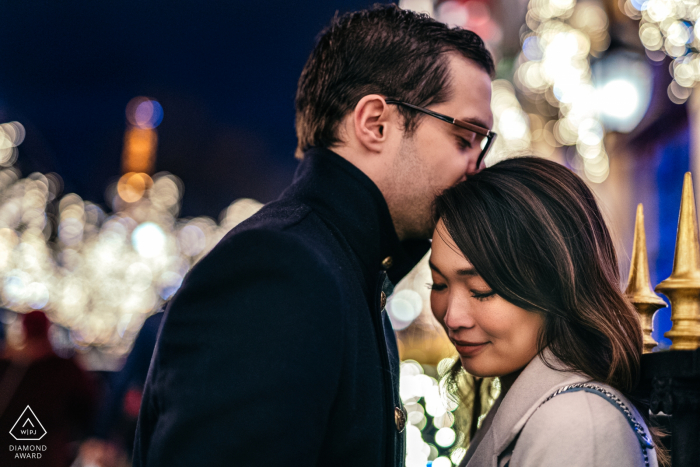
<point x="481" y="296"/>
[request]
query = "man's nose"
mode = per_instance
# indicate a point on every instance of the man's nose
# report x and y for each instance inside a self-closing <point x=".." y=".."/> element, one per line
<point x="472" y="167"/>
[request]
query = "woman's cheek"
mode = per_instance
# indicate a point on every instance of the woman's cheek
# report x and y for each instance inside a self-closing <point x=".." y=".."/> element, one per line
<point x="438" y="307"/>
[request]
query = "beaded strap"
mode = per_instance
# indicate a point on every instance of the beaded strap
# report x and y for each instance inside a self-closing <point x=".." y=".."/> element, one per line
<point x="644" y="441"/>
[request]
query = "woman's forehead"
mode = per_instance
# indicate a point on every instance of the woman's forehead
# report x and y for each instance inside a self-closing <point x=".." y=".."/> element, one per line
<point x="445" y="253"/>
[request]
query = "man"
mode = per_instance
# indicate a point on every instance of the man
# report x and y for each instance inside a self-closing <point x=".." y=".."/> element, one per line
<point x="276" y="350"/>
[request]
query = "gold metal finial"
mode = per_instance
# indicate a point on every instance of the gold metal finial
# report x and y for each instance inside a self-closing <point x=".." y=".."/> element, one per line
<point x="683" y="287"/>
<point x="639" y="289"/>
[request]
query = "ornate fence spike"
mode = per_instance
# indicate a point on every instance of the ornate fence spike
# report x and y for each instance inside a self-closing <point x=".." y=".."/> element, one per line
<point x="639" y="289"/>
<point x="683" y="286"/>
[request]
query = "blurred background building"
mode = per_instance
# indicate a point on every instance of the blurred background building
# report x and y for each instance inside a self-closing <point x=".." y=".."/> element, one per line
<point x="134" y="135"/>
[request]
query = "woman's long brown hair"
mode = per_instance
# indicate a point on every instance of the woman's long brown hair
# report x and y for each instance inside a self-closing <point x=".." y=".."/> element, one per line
<point x="533" y="231"/>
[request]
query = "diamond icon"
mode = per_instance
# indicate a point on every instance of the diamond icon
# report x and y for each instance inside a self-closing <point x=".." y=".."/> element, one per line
<point x="28" y="427"/>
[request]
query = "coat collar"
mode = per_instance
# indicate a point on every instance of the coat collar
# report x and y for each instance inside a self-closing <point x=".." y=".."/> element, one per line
<point x="346" y="198"/>
<point x="536" y="382"/>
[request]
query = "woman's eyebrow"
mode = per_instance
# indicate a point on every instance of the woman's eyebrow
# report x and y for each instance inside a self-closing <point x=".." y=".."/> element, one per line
<point x="467" y="272"/>
<point x="460" y="272"/>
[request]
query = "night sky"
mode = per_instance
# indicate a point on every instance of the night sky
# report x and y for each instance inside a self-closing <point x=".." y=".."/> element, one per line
<point x="225" y="73"/>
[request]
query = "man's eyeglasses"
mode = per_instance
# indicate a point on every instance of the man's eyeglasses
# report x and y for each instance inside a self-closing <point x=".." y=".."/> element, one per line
<point x="482" y="136"/>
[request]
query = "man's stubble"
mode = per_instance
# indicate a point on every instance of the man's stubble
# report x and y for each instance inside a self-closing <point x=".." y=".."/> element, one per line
<point x="410" y="192"/>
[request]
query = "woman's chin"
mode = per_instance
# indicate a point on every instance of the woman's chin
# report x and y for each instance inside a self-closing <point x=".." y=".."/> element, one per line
<point x="478" y="369"/>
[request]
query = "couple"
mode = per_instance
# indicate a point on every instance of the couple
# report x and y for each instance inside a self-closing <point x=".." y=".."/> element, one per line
<point x="277" y="350"/>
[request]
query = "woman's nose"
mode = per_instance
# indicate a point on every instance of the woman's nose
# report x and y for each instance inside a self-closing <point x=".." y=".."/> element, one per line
<point x="458" y="314"/>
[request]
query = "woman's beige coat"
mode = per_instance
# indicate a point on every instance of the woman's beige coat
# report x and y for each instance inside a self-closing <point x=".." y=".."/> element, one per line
<point x="572" y="429"/>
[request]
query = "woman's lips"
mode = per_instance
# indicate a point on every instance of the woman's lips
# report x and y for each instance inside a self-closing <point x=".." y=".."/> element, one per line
<point x="469" y="349"/>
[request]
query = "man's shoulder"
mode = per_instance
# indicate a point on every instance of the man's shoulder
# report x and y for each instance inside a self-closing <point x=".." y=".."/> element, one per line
<point x="277" y="215"/>
<point x="281" y="233"/>
<point x="288" y="226"/>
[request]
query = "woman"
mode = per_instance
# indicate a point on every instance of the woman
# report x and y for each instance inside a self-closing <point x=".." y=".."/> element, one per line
<point x="526" y="285"/>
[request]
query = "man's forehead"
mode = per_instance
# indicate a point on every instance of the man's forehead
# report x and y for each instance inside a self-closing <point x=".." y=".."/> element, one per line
<point x="470" y="93"/>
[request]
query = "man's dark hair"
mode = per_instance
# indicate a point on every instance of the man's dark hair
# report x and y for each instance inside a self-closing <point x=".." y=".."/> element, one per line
<point x="385" y="50"/>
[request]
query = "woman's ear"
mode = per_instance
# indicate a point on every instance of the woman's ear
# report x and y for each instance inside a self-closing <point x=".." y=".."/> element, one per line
<point x="371" y="122"/>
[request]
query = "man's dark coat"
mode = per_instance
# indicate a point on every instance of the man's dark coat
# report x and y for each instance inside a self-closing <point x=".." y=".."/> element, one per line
<point x="276" y="351"/>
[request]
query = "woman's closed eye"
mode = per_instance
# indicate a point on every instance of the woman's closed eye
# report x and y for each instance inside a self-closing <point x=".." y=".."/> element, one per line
<point x="481" y="295"/>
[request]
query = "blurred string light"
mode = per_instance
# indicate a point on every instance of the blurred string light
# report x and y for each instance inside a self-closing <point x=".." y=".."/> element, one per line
<point x="430" y="412"/>
<point x="11" y="136"/>
<point x="510" y="122"/>
<point x="474" y="15"/>
<point x="141" y="138"/>
<point x="420" y="6"/>
<point x="404" y="307"/>
<point x="431" y="432"/>
<point x="144" y="113"/>
<point x="623" y="89"/>
<point x="554" y="71"/>
<point x="667" y="27"/>
<point x="97" y="273"/>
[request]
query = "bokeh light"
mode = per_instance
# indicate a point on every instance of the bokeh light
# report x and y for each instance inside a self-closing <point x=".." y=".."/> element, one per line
<point x="431" y="432"/>
<point x="404" y="307"/>
<point x="510" y="122"/>
<point x="420" y="6"/>
<point x="555" y="74"/>
<point x="667" y="28"/>
<point x="445" y="437"/>
<point x="144" y="113"/>
<point x="96" y="273"/>
<point x="474" y="15"/>
<point x="623" y="83"/>
<point x="442" y="462"/>
<point x="132" y="186"/>
<point x="619" y="98"/>
<point x="148" y="240"/>
<point x="11" y="135"/>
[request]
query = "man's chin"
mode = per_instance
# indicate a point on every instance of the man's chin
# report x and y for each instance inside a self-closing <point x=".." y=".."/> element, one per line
<point x="424" y="232"/>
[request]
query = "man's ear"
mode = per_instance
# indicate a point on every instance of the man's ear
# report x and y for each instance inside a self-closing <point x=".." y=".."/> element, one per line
<point x="371" y="121"/>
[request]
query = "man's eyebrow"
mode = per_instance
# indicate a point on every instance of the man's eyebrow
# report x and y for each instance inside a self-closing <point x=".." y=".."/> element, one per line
<point x="460" y="272"/>
<point x="475" y="121"/>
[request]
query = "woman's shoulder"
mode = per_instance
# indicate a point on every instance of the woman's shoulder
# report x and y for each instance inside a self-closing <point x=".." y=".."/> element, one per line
<point x="580" y="428"/>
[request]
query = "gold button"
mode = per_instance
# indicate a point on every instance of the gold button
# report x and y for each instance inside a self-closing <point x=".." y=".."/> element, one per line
<point x="399" y="419"/>
<point x="388" y="261"/>
<point x="382" y="301"/>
